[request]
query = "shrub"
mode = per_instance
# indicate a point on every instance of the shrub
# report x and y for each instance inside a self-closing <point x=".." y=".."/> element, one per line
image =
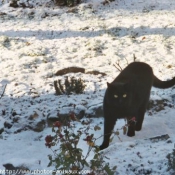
<point x="69" y="156"/>
<point x="70" y="86"/>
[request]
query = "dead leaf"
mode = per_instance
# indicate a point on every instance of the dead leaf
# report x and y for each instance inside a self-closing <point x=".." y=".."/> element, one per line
<point x="124" y="130"/>
<point x="96" y="128"/>
<point x="91" y="143"/>
<point x="33" y="116"/>
<point x="117" y="133"/>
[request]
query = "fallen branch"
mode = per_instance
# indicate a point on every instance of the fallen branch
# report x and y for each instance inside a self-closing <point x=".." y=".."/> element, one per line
<point x="70" y="70"/>
<point x="95" y="72"/>
<point x="127" y="61"/>
<point x="76" y="70"/>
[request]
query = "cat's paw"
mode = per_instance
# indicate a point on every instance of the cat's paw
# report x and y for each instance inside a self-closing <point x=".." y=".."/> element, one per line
<point x="103" y="146"/>
<point x="138" y="127"/>
<point x="131" y="133"/>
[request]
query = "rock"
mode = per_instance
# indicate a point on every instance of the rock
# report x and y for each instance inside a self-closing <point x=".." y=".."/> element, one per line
<point x="14" y="4"/>
<point x="7" y="125"/>
<point x="1" y="130"/>
<point x="52" y="116"/>
<point x="173" y="98"/>
<point x="95" y="111"/>
<point x="81" y="114"/>
<point x="169" y="141"/>
<point x="64" y="112"/>
<point x="34" y="126"/>
<point x="2" y="121"/>
<point x="39" y="126"/>
<point x="24" y="128"/>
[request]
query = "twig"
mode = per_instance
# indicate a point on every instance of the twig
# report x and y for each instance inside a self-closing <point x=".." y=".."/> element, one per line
<point x="3" y="91"/>
<point x="58" y="91"/>
<point x="118" y="66"/>
<point x="61" y="87"/>
<point x="134" y="57"/>
<point x="126" y="61"/>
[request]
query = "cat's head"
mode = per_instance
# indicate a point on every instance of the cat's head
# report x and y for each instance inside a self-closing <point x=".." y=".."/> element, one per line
<point x="119" y="94"/>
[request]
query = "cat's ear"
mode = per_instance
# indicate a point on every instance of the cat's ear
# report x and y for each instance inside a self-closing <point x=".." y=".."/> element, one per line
<point x="108" y="84"/>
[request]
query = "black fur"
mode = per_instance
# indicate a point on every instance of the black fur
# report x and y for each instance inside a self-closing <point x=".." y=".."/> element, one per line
<point x="127" y="96"/>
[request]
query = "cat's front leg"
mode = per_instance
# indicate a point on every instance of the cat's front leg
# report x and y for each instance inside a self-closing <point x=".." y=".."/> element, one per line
<point x="108" y="128"/>
<point x="140" y="116"/>
<point x="131" y="127"/>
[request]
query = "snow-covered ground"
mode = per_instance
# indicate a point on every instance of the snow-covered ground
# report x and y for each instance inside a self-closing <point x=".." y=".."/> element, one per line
<point x="38" y="41"/>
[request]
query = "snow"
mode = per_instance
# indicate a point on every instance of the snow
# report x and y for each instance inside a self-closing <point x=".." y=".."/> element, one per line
<point x="37" y="42"/>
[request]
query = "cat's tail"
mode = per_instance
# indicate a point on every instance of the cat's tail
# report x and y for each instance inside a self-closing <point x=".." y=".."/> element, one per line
<point x="163" y="84"/>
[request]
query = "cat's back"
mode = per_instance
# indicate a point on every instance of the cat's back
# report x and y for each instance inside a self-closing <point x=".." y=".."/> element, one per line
<point x="136" y="70"/>
<point x="138" y="67"/>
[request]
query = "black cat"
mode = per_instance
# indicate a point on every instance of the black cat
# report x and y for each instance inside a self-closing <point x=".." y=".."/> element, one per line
<point x="127" y="97"/>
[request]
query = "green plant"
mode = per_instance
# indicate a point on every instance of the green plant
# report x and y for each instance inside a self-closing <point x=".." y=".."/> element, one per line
<point x="171" y="160"/>
<point x="70" y="86"/>
<point x="69" y="156"/>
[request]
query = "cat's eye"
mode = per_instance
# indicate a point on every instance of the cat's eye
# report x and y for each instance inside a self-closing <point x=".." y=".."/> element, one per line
<point x="124" y="95"/>
<point x="115" y="96"/>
